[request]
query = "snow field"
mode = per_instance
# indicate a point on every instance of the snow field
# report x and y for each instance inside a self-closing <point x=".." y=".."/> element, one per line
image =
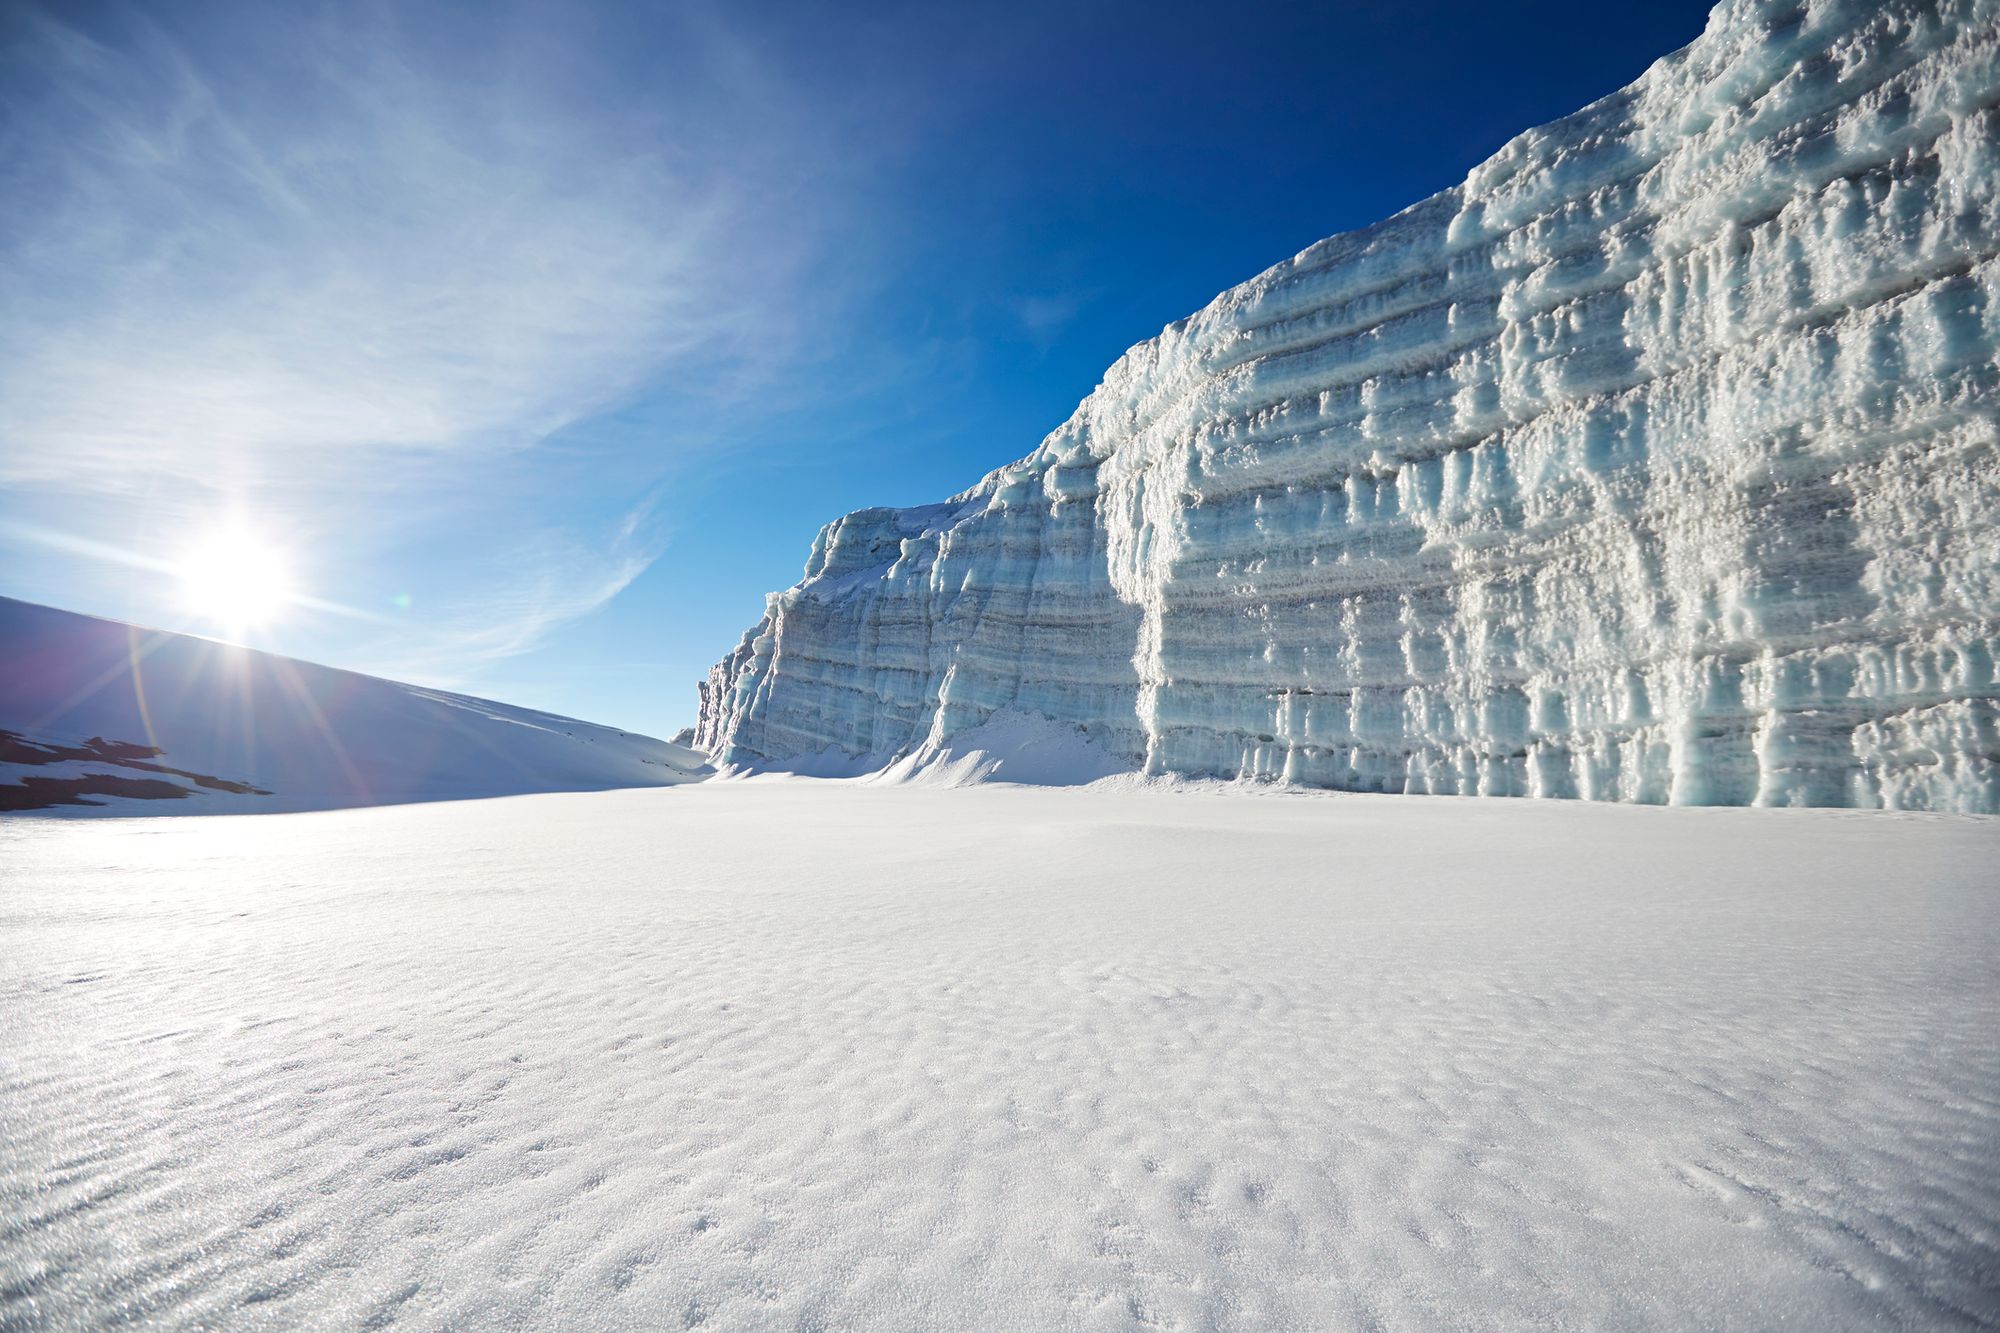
<point x="805" y="1054"/>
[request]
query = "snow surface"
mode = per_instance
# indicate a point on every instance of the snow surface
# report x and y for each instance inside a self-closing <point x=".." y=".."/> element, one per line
<point x="304" y="736"/>
<point x="1657" y="462"/>
<point x="1025" y="749"/>
<point x="802" y="1054"/>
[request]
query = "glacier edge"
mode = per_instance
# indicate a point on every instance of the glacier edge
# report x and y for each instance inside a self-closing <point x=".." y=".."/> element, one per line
<point x="1655" y="462"/>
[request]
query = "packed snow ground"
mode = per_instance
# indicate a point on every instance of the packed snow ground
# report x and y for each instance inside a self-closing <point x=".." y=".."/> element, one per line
<point x="811" y="1054"/>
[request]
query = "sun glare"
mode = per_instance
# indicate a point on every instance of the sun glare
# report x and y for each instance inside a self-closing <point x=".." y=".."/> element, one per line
<point x="236" y="579"/>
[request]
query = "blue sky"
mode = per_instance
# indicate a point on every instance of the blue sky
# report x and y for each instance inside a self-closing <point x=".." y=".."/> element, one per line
<point x="541" y="338"/>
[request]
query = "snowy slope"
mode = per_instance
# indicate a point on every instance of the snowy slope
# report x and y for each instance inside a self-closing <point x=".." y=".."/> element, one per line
<point x="1012" y="747"/>
<point x="142" y="721"/>
<point x="1657" y="462"/>
<point x="816" y="1055"/>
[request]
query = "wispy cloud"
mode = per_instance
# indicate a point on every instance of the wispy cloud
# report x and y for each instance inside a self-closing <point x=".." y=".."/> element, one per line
<point x="546" y="589"/>
<point x="328" y="258"/>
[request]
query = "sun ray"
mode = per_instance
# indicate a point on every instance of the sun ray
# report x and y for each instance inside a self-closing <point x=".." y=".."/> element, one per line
<point x="301" y="695"/>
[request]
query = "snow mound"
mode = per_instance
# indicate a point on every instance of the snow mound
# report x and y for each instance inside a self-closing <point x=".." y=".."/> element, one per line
<point x="1010" y="746"/>
<point x="98" y="715"/>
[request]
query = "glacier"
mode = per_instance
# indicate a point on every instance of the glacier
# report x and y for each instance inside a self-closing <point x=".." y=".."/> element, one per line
<point x="1656" y="462"/>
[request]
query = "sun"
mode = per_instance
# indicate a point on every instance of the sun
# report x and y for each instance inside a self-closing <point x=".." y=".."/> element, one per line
<point x="236" y="579"/>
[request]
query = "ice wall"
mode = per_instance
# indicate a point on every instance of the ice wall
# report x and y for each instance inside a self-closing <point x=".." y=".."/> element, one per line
<point x="1656" y="462"/>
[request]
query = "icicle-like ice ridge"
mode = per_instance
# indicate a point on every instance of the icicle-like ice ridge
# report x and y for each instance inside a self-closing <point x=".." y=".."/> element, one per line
<point x="1659" y="461"/>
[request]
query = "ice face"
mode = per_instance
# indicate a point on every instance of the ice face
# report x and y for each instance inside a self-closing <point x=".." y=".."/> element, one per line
<point x="1656" y="462"/>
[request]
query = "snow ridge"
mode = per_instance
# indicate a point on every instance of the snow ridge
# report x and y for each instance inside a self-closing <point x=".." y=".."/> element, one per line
<point x="174" y="724"/>
<point x="1656" y="462"/>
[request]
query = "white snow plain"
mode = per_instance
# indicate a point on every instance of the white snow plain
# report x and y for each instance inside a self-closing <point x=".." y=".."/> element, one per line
<point x="807" y="1054"/>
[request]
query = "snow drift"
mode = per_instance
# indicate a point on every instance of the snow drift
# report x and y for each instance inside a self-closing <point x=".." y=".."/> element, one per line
<point x="1023" y="749"/>
<point x="1654" y="463"/>
<point x="100" y="714"/>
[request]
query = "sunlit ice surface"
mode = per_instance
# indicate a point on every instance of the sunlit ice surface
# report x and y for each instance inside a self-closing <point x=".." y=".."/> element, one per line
<point x="236" y="579"/>
<point x="784" y="1054"/>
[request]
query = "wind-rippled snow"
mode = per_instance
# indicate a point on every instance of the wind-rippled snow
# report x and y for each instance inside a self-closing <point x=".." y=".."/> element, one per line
<point x="808" y="1054"/>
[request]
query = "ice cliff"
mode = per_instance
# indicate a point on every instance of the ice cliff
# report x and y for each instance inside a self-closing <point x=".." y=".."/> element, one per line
<point x="1656" y="462"/>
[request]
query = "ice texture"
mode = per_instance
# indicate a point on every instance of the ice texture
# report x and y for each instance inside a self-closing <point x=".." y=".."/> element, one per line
<point x="1656" y="462"/>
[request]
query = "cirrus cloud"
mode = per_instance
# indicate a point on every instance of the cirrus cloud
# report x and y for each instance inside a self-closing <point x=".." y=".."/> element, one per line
<point x="341" y="262"/>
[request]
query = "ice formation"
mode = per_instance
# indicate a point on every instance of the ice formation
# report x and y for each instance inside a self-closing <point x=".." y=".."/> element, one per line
<point x="1656" y="462"/>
